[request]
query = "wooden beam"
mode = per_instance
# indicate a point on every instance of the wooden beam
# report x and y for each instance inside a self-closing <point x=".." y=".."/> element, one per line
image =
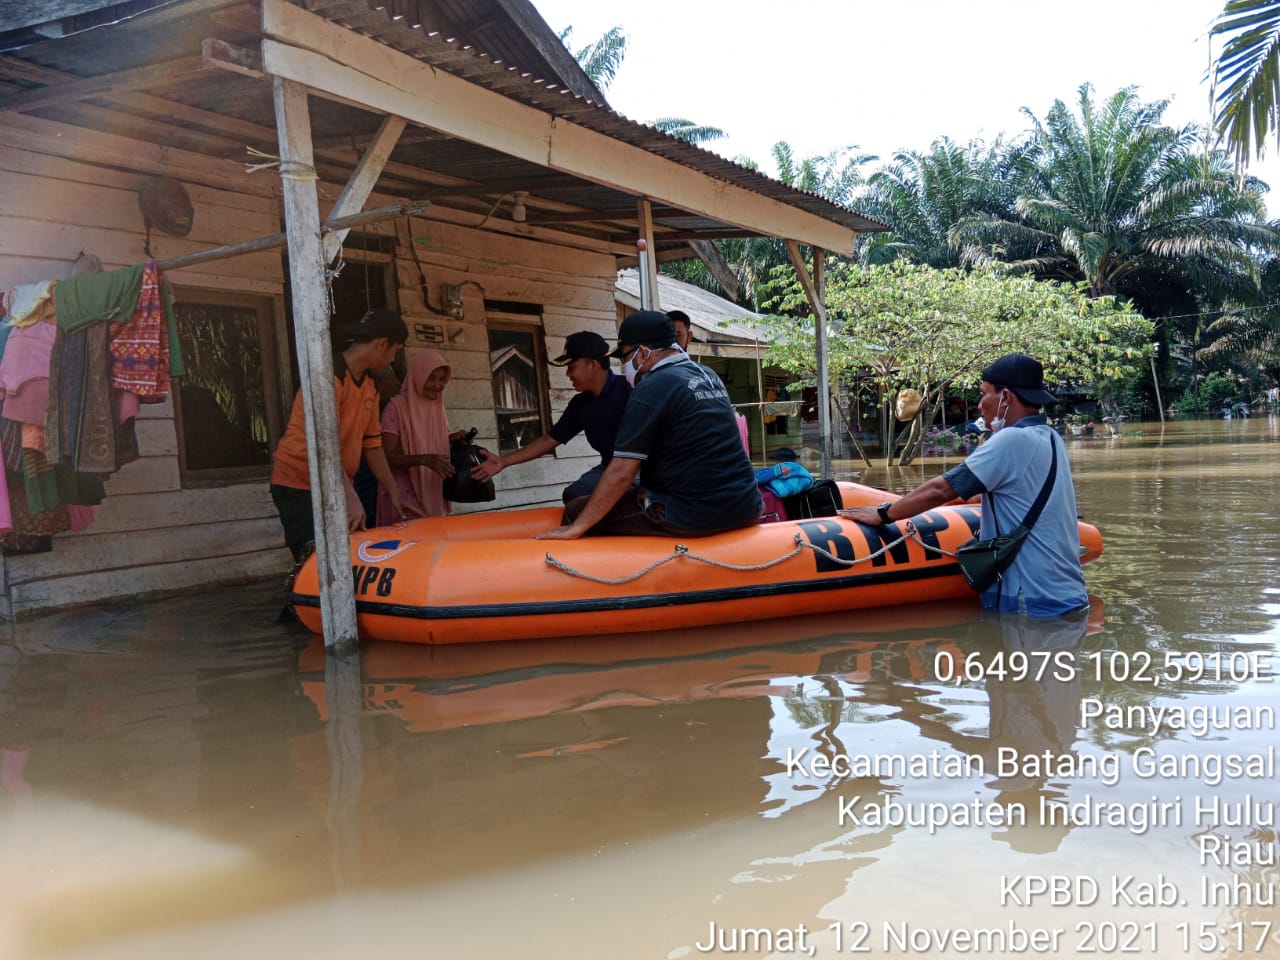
<point x="311" y="325"/>
<point x="343" y="224"/>
<point x="717" y="266"/>
<point x="345" y="66"/>
<point x="152" y="75"/>
<point x="224" y="56"/>
<point x="824" y="364"/>
<point x="363" y="179"/>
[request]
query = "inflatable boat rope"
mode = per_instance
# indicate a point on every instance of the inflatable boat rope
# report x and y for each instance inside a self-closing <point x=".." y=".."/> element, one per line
<point x="681" y="550"/>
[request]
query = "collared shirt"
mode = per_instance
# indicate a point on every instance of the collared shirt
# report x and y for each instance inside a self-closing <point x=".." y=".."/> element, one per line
<point x="596" y="416"/>
<point x="359" y="428"/>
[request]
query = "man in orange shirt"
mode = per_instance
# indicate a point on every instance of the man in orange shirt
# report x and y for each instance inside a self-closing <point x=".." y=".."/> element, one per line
<point x="371" y="344"/>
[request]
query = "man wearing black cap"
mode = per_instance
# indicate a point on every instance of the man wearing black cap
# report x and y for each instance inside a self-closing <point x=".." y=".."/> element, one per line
<point x="1045" y="579"/>
<point x="596" y="410"/>
<point x="679" y="435"/>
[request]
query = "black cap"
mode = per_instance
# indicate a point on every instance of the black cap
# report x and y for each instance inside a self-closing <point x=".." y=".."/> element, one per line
<point x="645" y="328"/>
<point x="584" y="343"/>
<point x="1023" y="375"/>
<point x="374" y="324"/>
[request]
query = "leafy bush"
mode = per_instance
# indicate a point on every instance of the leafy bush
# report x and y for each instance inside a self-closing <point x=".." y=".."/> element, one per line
<point x="1213" y="390"/>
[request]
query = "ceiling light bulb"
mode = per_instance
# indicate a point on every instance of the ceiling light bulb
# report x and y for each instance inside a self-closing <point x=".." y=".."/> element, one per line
<point x="518" y="211"/>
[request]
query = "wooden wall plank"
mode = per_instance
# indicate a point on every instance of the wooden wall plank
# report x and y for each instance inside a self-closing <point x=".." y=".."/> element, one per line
<point x="80" y="554"/>
<point x="27" y="599"/>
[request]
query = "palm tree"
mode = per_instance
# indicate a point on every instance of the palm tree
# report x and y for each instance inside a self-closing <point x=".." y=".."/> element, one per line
<point x="687" y="129"/>
<point x="1246" y="76"/>
<point x="1247" y="336"/>
<point x="924" y="195"/>
<point x="1115" y="199"/>
<point x="1111" y="198"/>
<point x="601" y="58"/>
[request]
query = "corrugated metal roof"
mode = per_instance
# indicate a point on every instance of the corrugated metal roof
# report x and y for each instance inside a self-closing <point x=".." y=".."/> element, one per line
<point x="220" y="113"/>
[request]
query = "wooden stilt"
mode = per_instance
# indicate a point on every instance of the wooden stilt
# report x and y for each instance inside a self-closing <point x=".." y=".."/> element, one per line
<point x="311" y="325"/>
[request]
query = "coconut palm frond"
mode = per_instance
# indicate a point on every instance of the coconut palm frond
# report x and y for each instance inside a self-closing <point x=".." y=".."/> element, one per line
<point x="1246" y="76"/>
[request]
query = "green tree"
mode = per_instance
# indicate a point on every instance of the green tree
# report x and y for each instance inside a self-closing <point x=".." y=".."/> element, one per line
<point x="909" y="325"/>
<point x="1246" y="75"/>
<point x="924" y="196"/>
<point x="1111" y="197"/>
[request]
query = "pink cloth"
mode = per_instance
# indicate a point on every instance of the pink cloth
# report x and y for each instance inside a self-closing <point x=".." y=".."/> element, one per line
<point x="744" y="433"/>
<point x="423" y="427"/>
<point x="26" y="360"/>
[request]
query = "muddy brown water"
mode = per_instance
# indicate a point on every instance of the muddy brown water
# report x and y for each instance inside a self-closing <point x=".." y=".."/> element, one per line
<point x="186" y="778"/>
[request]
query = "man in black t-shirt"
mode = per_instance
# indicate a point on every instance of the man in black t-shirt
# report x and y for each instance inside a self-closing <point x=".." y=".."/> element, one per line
<point x="680" y="435"/>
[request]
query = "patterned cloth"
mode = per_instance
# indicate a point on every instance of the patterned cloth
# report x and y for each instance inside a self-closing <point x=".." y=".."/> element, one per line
<point x="140" y="346"/>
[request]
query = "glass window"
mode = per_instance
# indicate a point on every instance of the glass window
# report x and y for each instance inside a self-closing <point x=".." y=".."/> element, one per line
<point x="518" y="362"/>
<point x="227" y="406"/>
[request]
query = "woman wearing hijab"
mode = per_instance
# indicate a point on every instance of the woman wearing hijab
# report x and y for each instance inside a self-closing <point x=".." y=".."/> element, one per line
<point x="415" y="438"/>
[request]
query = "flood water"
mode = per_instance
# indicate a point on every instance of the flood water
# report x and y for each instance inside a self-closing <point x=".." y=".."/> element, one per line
<point x="188" y="779"/>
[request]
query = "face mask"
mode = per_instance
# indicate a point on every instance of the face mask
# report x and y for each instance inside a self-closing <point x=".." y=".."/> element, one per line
<point x="629" y="369"/>
<point x="997" y="422"/>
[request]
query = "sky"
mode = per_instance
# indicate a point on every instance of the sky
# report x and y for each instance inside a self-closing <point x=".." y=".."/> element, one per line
<point x="883" y="77"/>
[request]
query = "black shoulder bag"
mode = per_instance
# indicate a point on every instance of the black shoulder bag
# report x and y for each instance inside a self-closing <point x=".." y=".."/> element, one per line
<point x="983" y="561"/>
<point x="462" y="487"/>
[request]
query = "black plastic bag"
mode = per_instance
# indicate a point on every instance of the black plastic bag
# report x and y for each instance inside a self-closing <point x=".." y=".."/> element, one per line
<point x="462" y="487"/>
<point x="982" y="561"/>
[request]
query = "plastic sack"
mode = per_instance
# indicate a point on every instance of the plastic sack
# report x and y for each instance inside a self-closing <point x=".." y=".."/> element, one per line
<point x="462" y="487"/>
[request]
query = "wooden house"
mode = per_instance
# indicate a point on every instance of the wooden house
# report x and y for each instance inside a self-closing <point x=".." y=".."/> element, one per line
<point x="472" y="177"/>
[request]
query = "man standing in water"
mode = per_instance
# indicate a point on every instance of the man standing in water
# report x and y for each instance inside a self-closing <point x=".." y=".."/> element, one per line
<point x="1045" y="579"/>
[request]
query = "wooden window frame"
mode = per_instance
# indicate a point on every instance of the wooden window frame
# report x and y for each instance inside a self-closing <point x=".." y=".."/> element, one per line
<point x="276" y="390"/>
<point x="530" y="323"/>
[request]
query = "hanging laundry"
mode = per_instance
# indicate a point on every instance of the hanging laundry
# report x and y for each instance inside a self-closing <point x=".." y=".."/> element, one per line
<point x="140" y="346"/>
<point x="29" y="302"/>
<point x="24" y="373"/>
<point x="113" y="296"/>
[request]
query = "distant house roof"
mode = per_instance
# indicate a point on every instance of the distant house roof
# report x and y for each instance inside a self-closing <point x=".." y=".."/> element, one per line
<point x="720" y="326"/>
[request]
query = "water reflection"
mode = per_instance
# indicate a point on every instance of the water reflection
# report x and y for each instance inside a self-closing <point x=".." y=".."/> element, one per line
<point x="188" y="778"/>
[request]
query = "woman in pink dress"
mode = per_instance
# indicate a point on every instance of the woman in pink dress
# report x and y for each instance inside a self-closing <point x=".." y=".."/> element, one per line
<point x="415" y="438"/>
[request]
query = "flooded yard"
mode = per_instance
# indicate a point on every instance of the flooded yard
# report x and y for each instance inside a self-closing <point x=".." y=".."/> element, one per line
<point x="188" y="778"/>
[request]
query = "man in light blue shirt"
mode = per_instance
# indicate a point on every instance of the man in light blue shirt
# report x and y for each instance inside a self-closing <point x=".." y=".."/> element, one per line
<point x="1045" y="579"/>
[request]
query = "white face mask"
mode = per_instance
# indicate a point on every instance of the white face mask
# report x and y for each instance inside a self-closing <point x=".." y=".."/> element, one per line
<point x="630" y="369"/>
<point x="997" y="422"/>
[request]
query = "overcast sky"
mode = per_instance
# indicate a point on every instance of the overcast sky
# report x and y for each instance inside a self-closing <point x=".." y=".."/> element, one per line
<point x="824" y="74"/>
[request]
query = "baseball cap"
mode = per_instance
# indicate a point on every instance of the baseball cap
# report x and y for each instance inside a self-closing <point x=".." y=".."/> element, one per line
<point x="1023" y="375"/>
<point x="374" y="324"/>
<point x="647" y="328"/>
<point x="584" y="343"/>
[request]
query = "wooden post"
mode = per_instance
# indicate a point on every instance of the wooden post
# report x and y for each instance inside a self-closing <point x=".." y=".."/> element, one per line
<point x="648" y="265"/>
<point x="315" y="364"/>
<point x="820" y="321"/>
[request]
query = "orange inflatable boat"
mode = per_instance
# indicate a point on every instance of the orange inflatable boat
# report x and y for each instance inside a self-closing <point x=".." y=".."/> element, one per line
<point x="482" y="576"/>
